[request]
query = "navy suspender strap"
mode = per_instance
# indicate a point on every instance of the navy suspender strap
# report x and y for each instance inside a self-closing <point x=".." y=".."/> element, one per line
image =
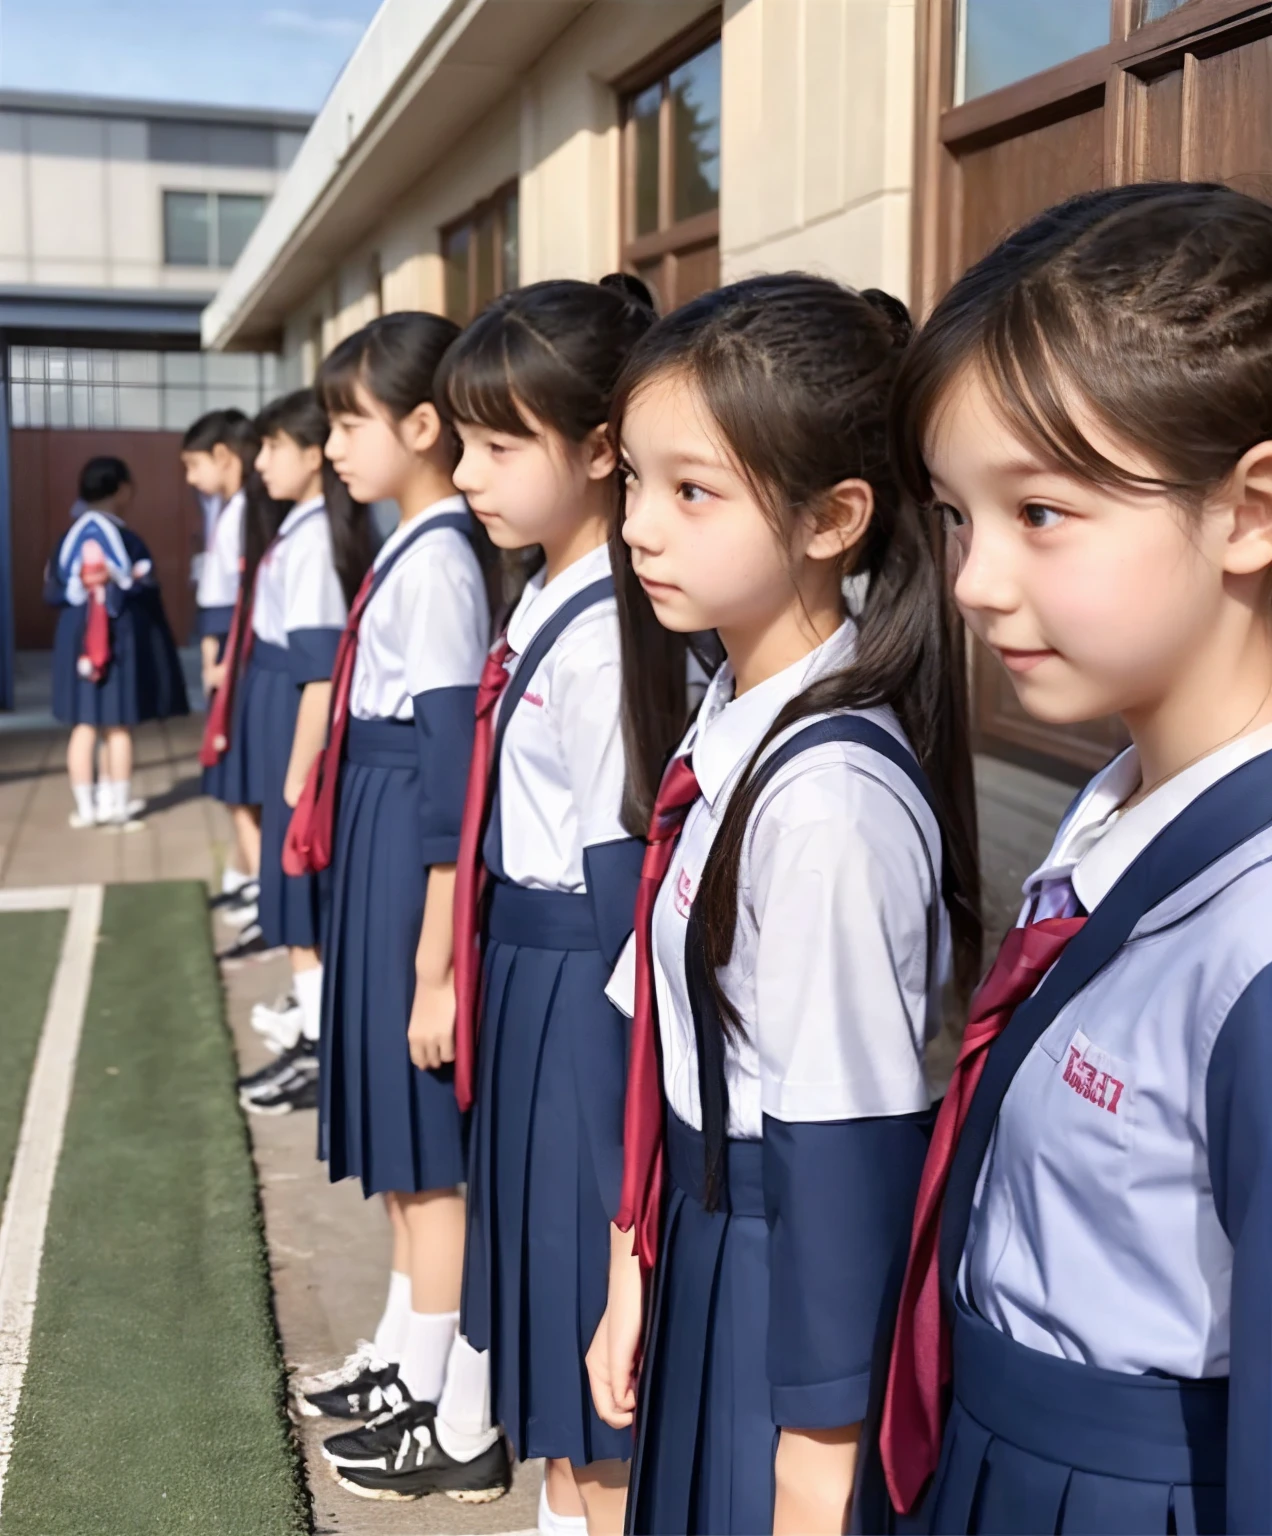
<point x="462" y="522"/>
<point x="527" y="665"/>
<point x="1217" y="822"/>
<point x="712" y="1084"/>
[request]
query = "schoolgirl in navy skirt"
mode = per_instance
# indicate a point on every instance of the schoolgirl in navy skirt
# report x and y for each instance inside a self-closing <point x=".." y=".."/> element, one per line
<point x="302" y="591"/>
<point x="115" y="664"/>
<point x="384" y="809"/>
<point x="1082" y="1341"/>
<point x="810" y="875"/>
<point x="546" y="880"/>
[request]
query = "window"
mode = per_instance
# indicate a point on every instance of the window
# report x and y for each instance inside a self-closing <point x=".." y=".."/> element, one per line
<point x="480" y="255"/>
<point x="671" y="155"/>
<point x="1002" y="41"/>
<point x="208" y="229"/>
<point x="178" y="143"/>
<point x="77" y="387"/>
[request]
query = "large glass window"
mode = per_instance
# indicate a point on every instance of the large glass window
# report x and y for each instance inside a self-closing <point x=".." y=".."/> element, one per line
<point x="1002" y="41"/>
<point x="77" y="387"/>
<point x="208" y="229"/>
<point x="481" y="255"/>
<point x="671" y="154"/>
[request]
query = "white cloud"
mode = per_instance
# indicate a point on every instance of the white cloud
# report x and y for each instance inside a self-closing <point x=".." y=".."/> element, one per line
<point x="304" y="24"/>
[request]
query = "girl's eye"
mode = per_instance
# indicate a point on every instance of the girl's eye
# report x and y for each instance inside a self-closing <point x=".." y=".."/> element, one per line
<point x="626" y="474"/>
<point x="694" y="494"/>
<point x="1039" y="517"/>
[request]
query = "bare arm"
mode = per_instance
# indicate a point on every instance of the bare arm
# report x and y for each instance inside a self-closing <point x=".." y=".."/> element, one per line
<point x="213" y="671"/>
<point x="431" y="1031"/>
<point x="612" y="1359"/>
<point x="310" y="737"/>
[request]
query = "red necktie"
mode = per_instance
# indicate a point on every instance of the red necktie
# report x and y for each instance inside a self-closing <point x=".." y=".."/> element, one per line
<point x="307" y="847"/>
<point x="238" y="647"/>
<point x="641" y="1205"/>
<point x="95" y="657"/>
<point x="919" y="1371"/>
<point x="470" y="873"/>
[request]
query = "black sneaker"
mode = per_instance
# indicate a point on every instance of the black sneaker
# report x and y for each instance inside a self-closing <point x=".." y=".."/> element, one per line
<point x="248" y="946"/>
<point x="298" y="1090"/>
<point x="273" y="1072"/>
<point x="245" y="896"/>
<point x="369" y="1394"/>
<point x="418" y="1465"/>
<point x="380" y="1437"/>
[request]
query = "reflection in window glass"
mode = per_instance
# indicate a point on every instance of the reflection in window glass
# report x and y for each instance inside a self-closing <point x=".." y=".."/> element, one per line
<point x="236" y="218"/>
<point x="455" y="260"/>
<point x="695" y="119"/>
<point x="103" y="405"/>
<point x="644" y="111"/>
<point x="140" y="410"/>
<point x="181" y="407"/>
<point x="512" y="240"/>
<point x="137" y="367"/>
<point x="1154" y="10"/>
<point x="1005" y="40"/>
<point x="182" y="368"/>
<point x="187" y="229"/>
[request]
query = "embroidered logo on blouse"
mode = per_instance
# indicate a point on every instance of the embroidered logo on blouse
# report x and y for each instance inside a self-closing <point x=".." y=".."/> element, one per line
<point x="1091" y="1073"/>
<point x="533" y="698"/>
<point x="684" y="893"/>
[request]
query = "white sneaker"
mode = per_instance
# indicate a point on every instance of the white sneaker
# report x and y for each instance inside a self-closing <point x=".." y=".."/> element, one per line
<point x="279" y="1023"/>
<point x="363" y="1358"/>
<point x="79" y="822"/>
<point x="242" y="916"/>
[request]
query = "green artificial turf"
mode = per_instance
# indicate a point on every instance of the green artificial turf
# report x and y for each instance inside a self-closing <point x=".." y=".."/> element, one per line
<point x="30" y="943"/>
<point x="154" y="1398"/>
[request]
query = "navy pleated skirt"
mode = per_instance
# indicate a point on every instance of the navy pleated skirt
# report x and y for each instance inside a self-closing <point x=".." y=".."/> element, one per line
<point x="227" y="781"/>
<point x="143" y="680"/>
<point x="545" y="1170"/>
<point x="381" y="1119"/>
<point x="705" y="1436"/>
<point x="290" y="906"/>
<point x="1036" y="1444"/>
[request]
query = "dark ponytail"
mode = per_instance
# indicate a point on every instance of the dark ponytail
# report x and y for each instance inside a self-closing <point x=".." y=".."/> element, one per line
<point x="796" y="372"/>
<point x="301" y="417"/>
<point x="262" y="515"/>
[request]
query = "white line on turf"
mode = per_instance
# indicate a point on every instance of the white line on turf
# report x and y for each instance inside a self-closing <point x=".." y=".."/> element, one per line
<point x="39" y="1145"/>
<point x="37" y="898"/>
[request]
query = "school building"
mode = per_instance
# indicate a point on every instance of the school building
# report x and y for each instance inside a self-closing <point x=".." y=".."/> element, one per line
<point x="121" y="219"/>
<point x="472" y="145"/>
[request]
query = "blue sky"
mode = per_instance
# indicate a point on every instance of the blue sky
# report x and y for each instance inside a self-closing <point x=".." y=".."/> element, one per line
<point x="244" y="53"/>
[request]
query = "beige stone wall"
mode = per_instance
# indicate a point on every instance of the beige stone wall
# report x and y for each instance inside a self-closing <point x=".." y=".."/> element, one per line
<point x="83" y="205"/>
<point x="818" y="108"/>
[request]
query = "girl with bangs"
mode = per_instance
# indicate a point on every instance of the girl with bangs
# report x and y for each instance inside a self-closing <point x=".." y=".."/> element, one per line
<point x="382" y="811"/>
<point x="545" y="887"/>
<point x="1083" y="1337"/>
<point x="810" y="876"/>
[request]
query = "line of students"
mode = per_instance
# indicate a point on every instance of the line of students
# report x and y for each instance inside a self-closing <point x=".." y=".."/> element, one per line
<point x="625" y="1005"/>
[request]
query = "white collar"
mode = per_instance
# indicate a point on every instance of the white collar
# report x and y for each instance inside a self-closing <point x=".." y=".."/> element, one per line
<point x="1098" y="841"/>
<point x="300" y="510"/>
<point x="404" y="530"/>
<point x="541" y="600"/>
<point x="238" y="499"/>
<point x="729" y="729"/>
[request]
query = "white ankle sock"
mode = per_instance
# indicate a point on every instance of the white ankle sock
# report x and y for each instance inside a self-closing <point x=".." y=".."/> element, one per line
<point x="85" y="803"/>
<point x="429" y="1336"/>
<point x="463" y="1422"/>
<point x="390" y="1333"/>
<point x="123" y="793"/>
<point x="552" y="1524"/>
<point x="307" y="986"/>
<point x="233" y="880"/>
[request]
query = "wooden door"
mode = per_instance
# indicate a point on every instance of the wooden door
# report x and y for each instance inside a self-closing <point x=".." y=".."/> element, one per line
<point x="1182" y="89"/>
<point x="45" y="468"/>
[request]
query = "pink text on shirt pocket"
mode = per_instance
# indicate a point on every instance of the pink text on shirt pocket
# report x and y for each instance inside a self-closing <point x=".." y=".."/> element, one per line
<point x="533" y="698"/>
<point x="684" y="893"/>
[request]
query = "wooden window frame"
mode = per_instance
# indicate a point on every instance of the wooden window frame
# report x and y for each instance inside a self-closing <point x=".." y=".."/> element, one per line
<point x="496" y="203"/>
<point x="1116" y="75"/>
<point x="670" y="238"/>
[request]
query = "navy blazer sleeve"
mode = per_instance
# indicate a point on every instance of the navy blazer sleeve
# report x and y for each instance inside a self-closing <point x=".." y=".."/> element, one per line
<point x="1239" y="1136"/>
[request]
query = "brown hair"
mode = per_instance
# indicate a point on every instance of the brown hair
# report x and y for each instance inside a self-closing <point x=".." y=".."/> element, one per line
<point x="1149" y="306"/>
<point x="796" y="372"/>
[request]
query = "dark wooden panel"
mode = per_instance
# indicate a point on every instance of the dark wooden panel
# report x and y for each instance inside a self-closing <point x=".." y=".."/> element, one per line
<point x="1228" y="123"/>
<point x="1162" y="128"/>
<point x="46" y="468"/>
<point x="1001" y="185"/>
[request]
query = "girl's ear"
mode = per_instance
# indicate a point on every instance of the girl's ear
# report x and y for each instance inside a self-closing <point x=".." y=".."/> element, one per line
<point x="1248" y="494"/>
<point x="598" y="454"/>
<point x="841" y="522"/>
<point x="421" y="430"/>
<point x="314" y="459"/>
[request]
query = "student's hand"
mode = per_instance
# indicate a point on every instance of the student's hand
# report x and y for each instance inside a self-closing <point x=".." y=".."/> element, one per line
<point x="214" y="677"/>
<point x="611" y="1361"/>
<point x="293" y="787"/>
<point x="431" y="1032"/>
<point x="93" y="576"/>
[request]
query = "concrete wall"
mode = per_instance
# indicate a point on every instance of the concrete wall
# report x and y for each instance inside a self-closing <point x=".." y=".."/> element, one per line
<point x="83" y="203"/>
<point x="818" y="111"/>
<point x="816" y="158"/>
